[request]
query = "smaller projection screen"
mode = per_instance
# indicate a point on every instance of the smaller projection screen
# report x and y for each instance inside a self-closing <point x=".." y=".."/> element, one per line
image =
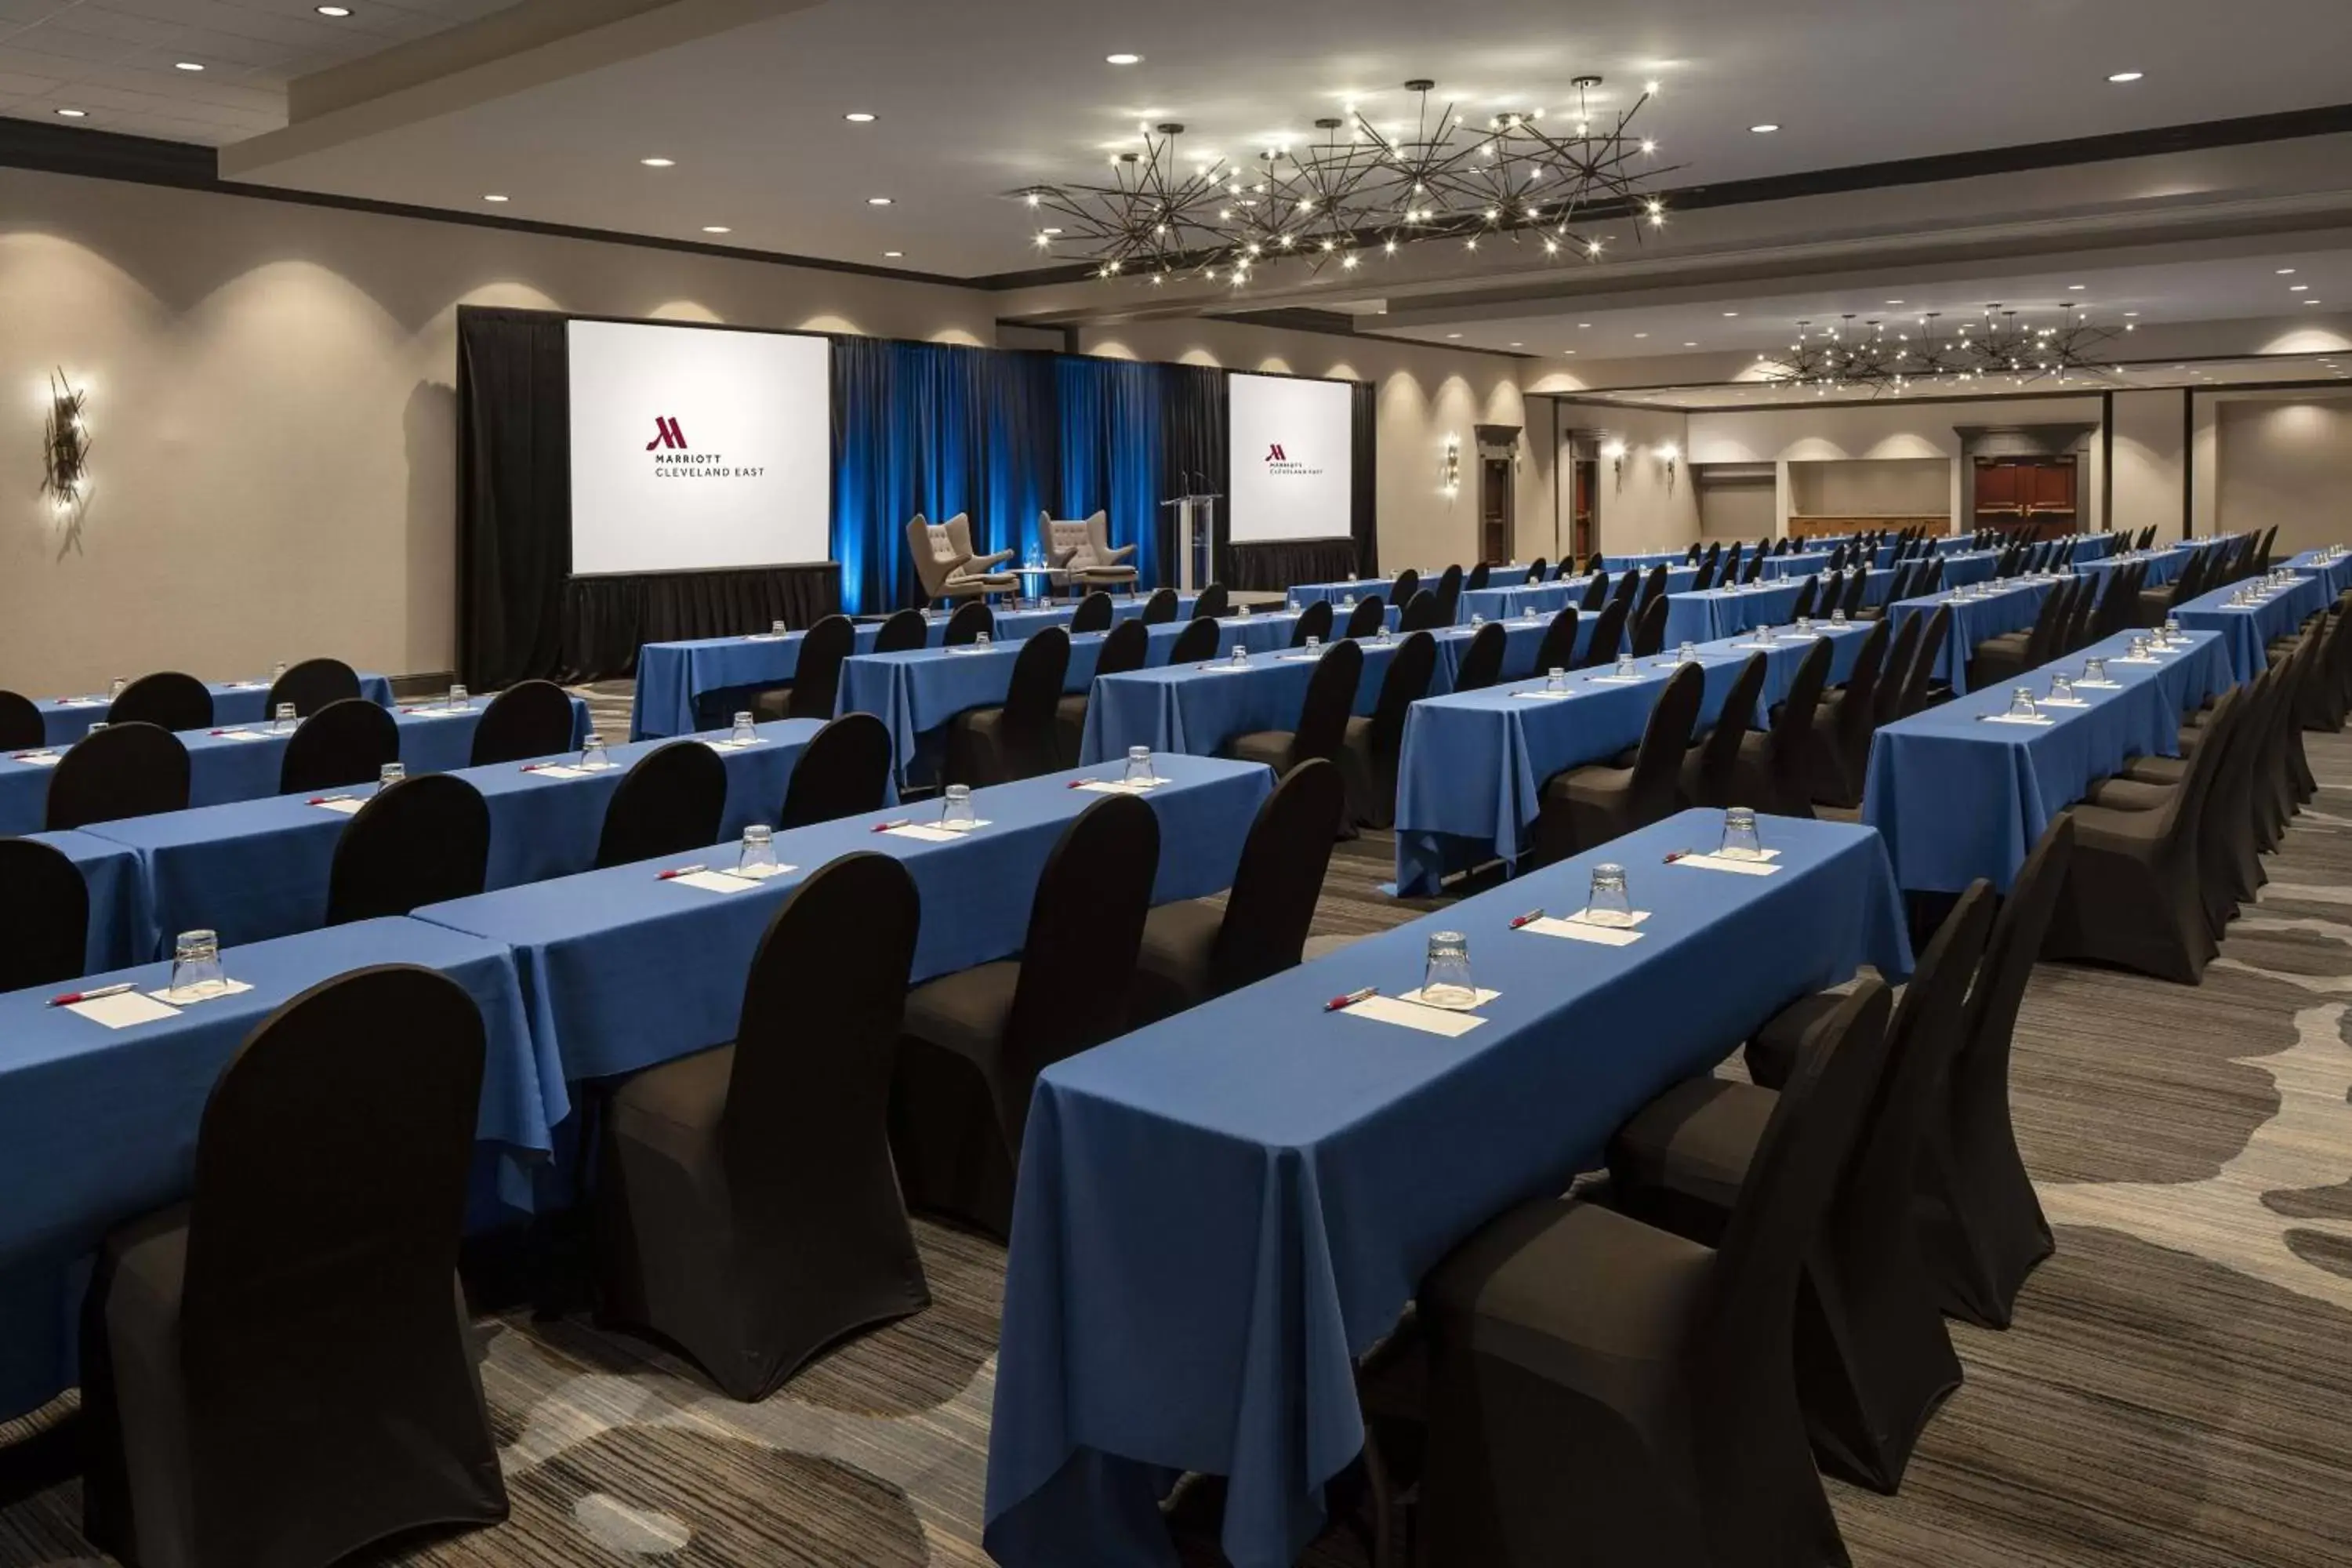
<point x="699" y="449"/>
<point x="1292" y="462"/>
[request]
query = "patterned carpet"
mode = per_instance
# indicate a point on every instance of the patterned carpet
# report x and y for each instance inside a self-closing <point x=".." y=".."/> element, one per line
<point x="2177" y="1390"/>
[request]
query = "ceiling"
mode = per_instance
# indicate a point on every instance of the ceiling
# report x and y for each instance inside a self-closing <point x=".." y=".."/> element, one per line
<point x="117" y="60"/>
<point x="2300" y="370"/>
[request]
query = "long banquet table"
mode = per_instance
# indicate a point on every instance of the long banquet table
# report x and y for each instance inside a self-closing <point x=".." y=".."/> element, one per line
<point x="1218" y="1214"/>
<point x="66" y="719"/>
<point x="2247" y="629"/>
<point x="2010" y="606"/>
<point x="1197" y="708"/>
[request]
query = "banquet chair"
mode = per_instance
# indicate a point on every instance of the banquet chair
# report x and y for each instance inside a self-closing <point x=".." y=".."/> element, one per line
<point x="1196" y="950"/>
<point x="1596" y="592"/>
<point x="1082" y="550"/>
<point x="1315" y="621"/>
<point x="1690" y="556"/>
<point x="2078" y="617"/>
<point x="1449" y="595"/>
<point x="1407" y="584"/>
<point x="1592" y="563"/>
<point x="1782" y="548"/>
<point x="1857" y="583"/>
<point x="1589" y="806"/>
<point x="2117" y="605"/>
<point x="1322" y="715"/>
<point x="1655" y="1421"/>
<point x="1704" y="578"/>
<point x="1710" y="766"/>
<point x="167" y="700"/>
<point x="425" y="840"/>
<point x="2229" y="862"/>
<point x="1370" y="744"/>
<point x="1557" y="650"/>
<point x="817" y="682"/>
<point x="1650" y="628"/>
<point x="747" y="1210"/>
<point x="1999" y="659"/>
<point x="21" y="724"/>
<point x="2155" y="603"/>
<point x="1728" y="569"/>
<point x="1161" y="608"/>
<point x="1480" y="576"/>
<point x="2134" y="897"/>
<point x="1888" y="699"/>
<point x="1844" y="722"/>
<point x="669" y="802"/>
<point x="1014" y="740"/>
<point x="1128" y="647"/>
<point x="1755" y="568"/>
<point x="1198" y="641"/>
<point x="122" y="771"/>
<point x="1214" y="604"/>
<point x="1772" y="764"/>
<point x="946" y="565"/>
<point x="1367" y="618"/>
<point x="1898" y="588"/>
<point x="1482" y="661"/>
<point x="1919" y="689"/>
<point x="280" y="1370"/>
<point x="1423" y="613"/>
<point x="971" y="618"/>
<point x="1806" y="596"/>
<point x="844" y="771"/>
<point x="1629" y="583"/>
<point x="1837" y="559"/>
<point x="1872" y="1357"/>
<point x="1608" y="636"/>
<point x="43" y="918"/>
<point x="974" y="1041"/>
<point x="904" y="632"/>
<point x="1094" y="613"/>
<point x="1653" y="586"/>
<point x="311" y="685"/>
<point x="346" y="743"/>
<point x="530" y="719"/>
<point x="1538" y="569"/>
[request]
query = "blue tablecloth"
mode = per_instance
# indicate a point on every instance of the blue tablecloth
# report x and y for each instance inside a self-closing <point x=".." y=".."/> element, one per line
<point x="255" y="869"/>
<point x="122" y="910"/>
<point x="1197" y="708"/>
<point x="1960" y="796"/>
<point x="1501" y="603"/>
<point x="1522" y="639"/>
<point x="1716" y="613"/>
<point x="66" y="719"/>
<point x="621" y="970"/>
<point x="1805" y="563"/>
<point x="2246" y="632"/>
<point x="1471" y="774"/>
<point x="1305" y="594"/>
<point x="2010" y="608"/>
<point x="1969" y="566"/>
<point x="1642" y="561"/>
<point x="221" y="768"/>
<point x="2334" y="576"/>
<point x="1218" y="1214"/>
<point x="99" y="1125"/>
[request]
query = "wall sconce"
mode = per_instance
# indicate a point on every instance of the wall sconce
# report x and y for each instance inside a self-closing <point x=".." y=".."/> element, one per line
<point x="1669" y="454"/>
<point x="65" y="456"/>
<point x="1449" y="468"/>
<point x="1615" y="453"/>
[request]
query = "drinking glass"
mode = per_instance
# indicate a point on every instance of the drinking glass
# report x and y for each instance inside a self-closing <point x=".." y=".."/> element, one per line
<point x="1291" y="603"/>
<point x="2094" y="669"/>
<point x="390" y="774"/>
<point x="285" y="718"/>
<point x="1386" y="635"/>
<point x="1804" y="625"/>
<point x="1313" y="645"/>
<point x="196" y="965"/>
<point x="1686" y="653"/>
<point x="775" y="628"/>
<point x="1837" y="617"/>
<point x="1346" y="601"/>
<point x="1739" y="839"/>
<point x="277" y="672"/>
<point x="592" y="754"/>
<point x="1446" y="982"/>
<point x="1556" y="680"/>
<point x="1626" y="665"/>
<point x="982" y="640"/>
<point x="758" y="856"/>
<point x="2172" y="628"/>
<point x="2020" y="704"/>
<point x="94" y="728"/>
<point x="114" y="688"/>
<point x="1241" y="655"/>
<point x="744" y="732"/>
<point x="955" y="809"/>
<point x="1351" y="574"/>
<point x="2138" y="648"/>
<point x="1139" y="767"/>
<point x="1608" y="904"/>
<point x="1763" y="635"/>
<point x="2060" y="688"/>
<point x="456" y="698"/>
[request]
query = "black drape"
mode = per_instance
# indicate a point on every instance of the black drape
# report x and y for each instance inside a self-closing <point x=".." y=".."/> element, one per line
<point x="1288" y="561"/>
<point x="1366" y="523"/>
<point x="607" y="619"/>
<point x="1191" y="450"/>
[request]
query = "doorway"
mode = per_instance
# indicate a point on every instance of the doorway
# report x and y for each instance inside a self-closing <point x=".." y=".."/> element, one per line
<point x="1495" y="509"/>
<point x="1585" y="482"/>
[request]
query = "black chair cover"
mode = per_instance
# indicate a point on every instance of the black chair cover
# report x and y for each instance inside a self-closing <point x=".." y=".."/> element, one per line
<point x="311" y="685"/>
<point x="167" y="700"/>
<point x="971" y="618"/>
<point x="1367" y="618"/>
<point x="845" y="771"/>
<point x="122" y="771"/>
<point x="532" y="718"/>
<point x="21" y="724"/>
<point x="1161" y="608"/>
<point x="1482" y="662"/>
<point x="1197" y="642"/>
<point x="1212" y="604"/>
<point x="1315" y="621"/>
<point x="422" y="841"/>
<point x="1093" y="614"/>
<point x="816" y="681"/>
<point x="904" y="632"/>
<point x="348" y="742"/>
<point x="670" y="802"/>
<point x="43" y="916"/>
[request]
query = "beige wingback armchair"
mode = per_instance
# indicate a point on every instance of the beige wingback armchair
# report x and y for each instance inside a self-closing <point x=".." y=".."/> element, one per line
<point x="1081" y="549"/>
<point x="945" y="564"/>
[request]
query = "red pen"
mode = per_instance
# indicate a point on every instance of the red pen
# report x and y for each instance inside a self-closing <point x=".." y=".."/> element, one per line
<point x="71" y="997"/>
<point x="887" y="826"/>
<point x="1676" y="856"/>
<point x="681" y="871"/>
<point x="1351" y="998"/>
<point x="1527" y="920"/>
<point x="327" y="799"/>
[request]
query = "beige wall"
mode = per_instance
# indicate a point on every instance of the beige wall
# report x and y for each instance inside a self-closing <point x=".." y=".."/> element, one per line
<point x="2286" y="460"/>
<point x="1640" y="504"/>
<point x="1426" y="396"/>
<point x="273" y="417"/>
<point x="2151" y="448"/>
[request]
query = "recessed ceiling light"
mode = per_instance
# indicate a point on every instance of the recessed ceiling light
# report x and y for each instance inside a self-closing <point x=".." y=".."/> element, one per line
<point x="1049" y="229"/>
<point x="2125" y="75"/>
<point x="716" y="229"/>
<point x="1453" y="335"/>
<point x="2286" y="271"/>
<point x="1567" y="351"/>
<point x="858" y="117"/>
<point x="494" y="198"/>
<point x="877" y="201"/>
<point x="659" y="162"/>
<point x="2298" y="288"/>
<point x="2131" y="312"/>
<point x="187" y="65"/>
<point x="1641" y="335"/>
<point x="894" y="254"/>
<point x="1894" y="301"/>
<point x="336" y="11"/>
<point x="2314" y="301"/>
<point x="1518" y="345"/>
<point x="1123" y="59"/>
<point x="1581" y="326"/>
<point x="74" y="114"/>
<point x="1690" y="345"/>
<point x="1728" y="315"/>
<point x="1764" y="129"/>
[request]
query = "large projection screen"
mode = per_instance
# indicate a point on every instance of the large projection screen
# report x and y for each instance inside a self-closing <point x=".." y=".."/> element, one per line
<point x="697" y="449"/>
<point x="1291" y="470"/>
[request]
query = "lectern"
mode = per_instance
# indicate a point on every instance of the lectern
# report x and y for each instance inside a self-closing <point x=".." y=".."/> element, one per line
<point x="1196" y="533"/>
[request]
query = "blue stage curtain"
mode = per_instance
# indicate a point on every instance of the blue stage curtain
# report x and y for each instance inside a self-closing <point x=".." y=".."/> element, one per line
<point x="935" y="428"/>
<point x="1111" y="416"/>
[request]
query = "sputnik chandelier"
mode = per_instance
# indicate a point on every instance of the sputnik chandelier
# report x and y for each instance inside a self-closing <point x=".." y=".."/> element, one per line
<point x="1875" y="358"/>
<point x="1359" y="190"/>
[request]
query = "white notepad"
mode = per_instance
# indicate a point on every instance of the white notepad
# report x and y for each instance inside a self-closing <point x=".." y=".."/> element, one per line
<point x="2135" y="662"/>
<point x="932" y="833"/>
<point x="1615" y="680"/>
<point x="1302" y="658"/>
<point x="1120" y="786"/>
<point x="2036" y="723"/>
<point x="347" y="805"/>
<point x="2064" y="702"/>
<point x="240" y="735"/>
<point x="733" y="745"/>
<point x="1717" y="863"/>
<point x="248" y="686"/>
<point x="2098" y="686"/>
<point x="190" y="998"/>
<point x="714" y="882"/>
<point x="40" y="759"/>
<point x="81" y="701"/>
<point x="557" y="771"/>
<point x="1480" y="997"/>
<point x="1540" y="695"/>
<point x="1576" y="927"/>
<point x="1226" y="668"/>
<point x="761" y="873"/>
<point x="1414" y="1016"/>
<point x="123" y="1010"/>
